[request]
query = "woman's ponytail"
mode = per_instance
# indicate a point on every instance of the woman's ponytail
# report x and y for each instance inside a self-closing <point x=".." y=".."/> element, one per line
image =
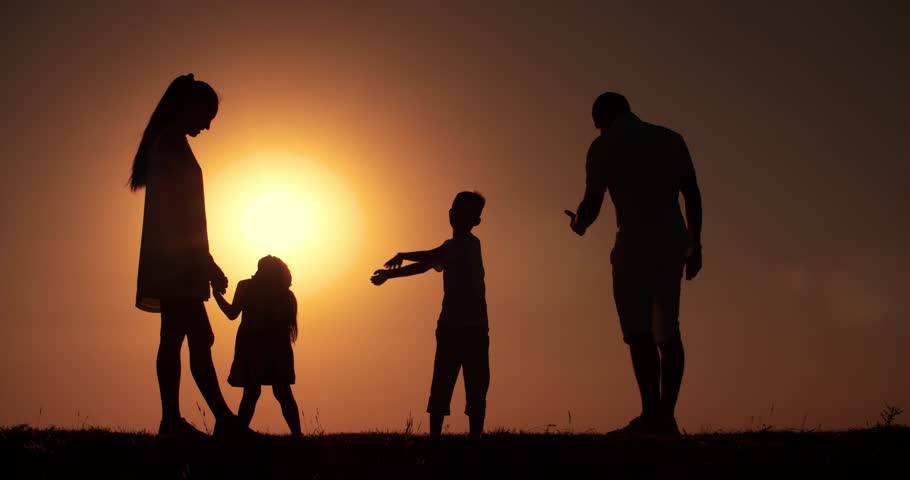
<point x="177" y="93"/>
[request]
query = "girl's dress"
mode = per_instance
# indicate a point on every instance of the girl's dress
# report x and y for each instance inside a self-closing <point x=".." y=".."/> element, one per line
<point x="263" y="354"/>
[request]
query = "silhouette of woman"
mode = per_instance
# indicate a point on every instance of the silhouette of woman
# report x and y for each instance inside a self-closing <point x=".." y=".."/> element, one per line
<point x="175" y="267"/>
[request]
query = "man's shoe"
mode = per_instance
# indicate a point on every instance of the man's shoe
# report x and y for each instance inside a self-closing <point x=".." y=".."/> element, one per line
<point x="179" y="428"/>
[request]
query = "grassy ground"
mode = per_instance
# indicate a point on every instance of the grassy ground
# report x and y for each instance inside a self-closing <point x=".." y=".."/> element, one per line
<point x="94" y="453"/>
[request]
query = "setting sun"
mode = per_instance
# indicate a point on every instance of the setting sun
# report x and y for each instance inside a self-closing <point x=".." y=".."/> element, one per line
<point x="275" y="220"/>
<point x="284" y="205"/>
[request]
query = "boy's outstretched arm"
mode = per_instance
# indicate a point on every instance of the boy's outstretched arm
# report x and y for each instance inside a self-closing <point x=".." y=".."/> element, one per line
<point x="380" y="276"/>
<point x="425" y="256"/>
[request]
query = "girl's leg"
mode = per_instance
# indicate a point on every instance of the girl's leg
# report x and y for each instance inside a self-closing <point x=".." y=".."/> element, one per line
<point x="288" y="407"/>
<point x="248" y="404"/>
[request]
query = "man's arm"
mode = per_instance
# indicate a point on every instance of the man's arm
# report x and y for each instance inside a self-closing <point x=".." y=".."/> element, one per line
<point x="692" y="198"/>
<point x="595" y="189"/>
<point x="588" y="209"/>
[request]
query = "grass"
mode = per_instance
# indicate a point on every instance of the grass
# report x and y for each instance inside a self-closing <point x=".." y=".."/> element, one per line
<point x="27" y="452"/>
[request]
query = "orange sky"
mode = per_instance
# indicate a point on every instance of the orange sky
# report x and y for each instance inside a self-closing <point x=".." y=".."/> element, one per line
<point x="796" y="117"/>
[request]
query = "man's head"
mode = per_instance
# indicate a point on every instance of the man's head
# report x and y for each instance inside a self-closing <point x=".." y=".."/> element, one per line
<point x="466" y="209"/>
<point x="607" y="107"/>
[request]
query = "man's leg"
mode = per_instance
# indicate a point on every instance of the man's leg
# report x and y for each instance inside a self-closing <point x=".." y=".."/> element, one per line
<point x="669" y="340"/>
<point x="672" y="363"/>
<point x="633" y="292"/>
<point x="646" y="364"/>
<point x="445" y="373"/>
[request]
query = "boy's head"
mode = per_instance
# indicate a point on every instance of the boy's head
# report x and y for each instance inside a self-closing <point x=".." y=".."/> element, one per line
<point x="466" y="209"/>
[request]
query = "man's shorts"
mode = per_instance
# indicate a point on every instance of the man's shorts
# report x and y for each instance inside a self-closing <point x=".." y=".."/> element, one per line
<point x="646" y="285"/>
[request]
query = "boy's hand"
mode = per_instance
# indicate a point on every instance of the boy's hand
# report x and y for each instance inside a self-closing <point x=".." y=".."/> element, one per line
<point x="379" y="277"/>
<point x="394" y="262"/>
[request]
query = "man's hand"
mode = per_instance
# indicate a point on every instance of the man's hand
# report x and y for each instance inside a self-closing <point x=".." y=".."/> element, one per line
<point x="394" y="262"/>
<point x="693" y="263"/>
<point x="379" y="277"/>
<point x="573" y="224"/>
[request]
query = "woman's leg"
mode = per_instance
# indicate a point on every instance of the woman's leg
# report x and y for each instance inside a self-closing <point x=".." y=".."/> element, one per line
<point x="288" y="407"/>
<point x="168" y="364"/>
<point x="248" y="404"/>
<point x="201" y="338"/>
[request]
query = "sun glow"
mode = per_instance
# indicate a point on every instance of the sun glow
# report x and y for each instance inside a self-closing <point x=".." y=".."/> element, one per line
<point x="287" y="206"/>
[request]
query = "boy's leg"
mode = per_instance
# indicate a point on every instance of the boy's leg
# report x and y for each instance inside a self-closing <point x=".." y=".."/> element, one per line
<point x="201" y="338"/>
<point x="285" y="398"/>
<point x="445" y="373"/>
<point x="476" y="377"/>
<point x="248" y="404"/>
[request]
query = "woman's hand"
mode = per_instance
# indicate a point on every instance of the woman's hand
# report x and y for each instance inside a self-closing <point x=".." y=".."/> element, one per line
<point x="217" y="278"/>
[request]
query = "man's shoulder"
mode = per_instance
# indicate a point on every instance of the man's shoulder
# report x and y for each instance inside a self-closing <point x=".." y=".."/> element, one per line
<point x="659" y="129"/>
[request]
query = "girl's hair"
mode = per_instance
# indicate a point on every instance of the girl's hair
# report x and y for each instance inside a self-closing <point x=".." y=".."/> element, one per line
<point x="272" y="283"/>
<point x="182" y="95"/>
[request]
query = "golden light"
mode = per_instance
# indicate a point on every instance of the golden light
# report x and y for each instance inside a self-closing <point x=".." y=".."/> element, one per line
<point x="284" y="205"/>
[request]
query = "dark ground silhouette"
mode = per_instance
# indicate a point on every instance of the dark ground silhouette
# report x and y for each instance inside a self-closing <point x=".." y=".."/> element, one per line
<point x="871" y="453"/>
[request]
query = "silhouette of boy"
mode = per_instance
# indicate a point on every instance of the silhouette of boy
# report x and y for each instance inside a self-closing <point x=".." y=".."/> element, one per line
<point x="462" y="333"/>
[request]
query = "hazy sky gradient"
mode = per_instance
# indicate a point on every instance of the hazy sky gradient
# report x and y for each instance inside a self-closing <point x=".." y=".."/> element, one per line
<point x="795" y="114"/>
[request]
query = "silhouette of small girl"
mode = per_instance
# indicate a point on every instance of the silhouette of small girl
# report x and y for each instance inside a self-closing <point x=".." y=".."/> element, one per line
<point x="263" y="353"/>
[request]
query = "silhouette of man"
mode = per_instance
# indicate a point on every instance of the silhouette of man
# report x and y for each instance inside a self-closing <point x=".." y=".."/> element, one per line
<point x="645" y="167"/>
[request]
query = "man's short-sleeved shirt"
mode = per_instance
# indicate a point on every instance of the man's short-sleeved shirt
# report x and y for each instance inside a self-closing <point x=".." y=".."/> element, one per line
<point x="642" y="166"/>
<point x="464" y="302"/>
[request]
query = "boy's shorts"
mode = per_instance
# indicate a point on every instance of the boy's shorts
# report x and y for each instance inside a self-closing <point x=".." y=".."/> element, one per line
<point x="646" y="289"/>
<point x="467" y="347"/>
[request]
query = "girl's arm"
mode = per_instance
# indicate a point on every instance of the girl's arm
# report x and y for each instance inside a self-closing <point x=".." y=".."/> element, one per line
<point x="232" y="311"/>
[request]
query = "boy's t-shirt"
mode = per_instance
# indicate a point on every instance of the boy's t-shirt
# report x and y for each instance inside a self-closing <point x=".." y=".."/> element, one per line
<point x="464" y="302"/>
